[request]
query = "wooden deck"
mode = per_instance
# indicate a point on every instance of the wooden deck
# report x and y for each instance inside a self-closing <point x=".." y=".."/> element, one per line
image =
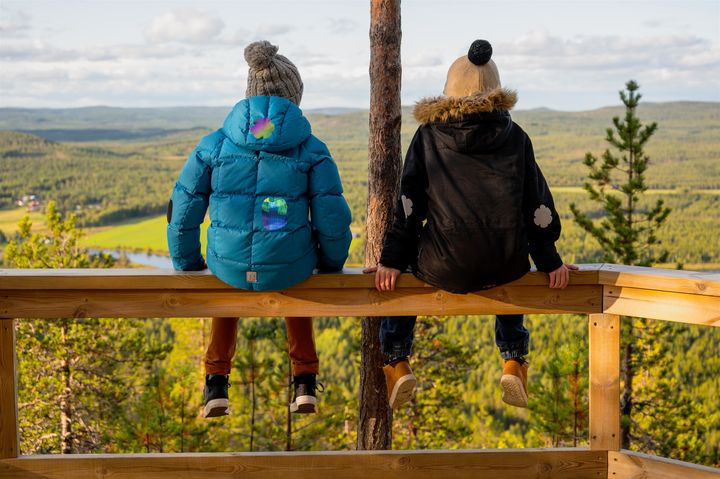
<point x="601" y="291"/>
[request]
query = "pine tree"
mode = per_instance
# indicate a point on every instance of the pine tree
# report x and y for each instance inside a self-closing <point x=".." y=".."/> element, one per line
<point x="431" y="420"/>
<point x="652" y="408"/>
<point x="628" y="232"/>
<point x="558" y="402"/>
<point x="384" y="169"/>
<point x="74" y="374"/>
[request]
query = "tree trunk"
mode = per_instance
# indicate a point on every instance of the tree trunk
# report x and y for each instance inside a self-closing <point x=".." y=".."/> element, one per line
<point x="576" y="400"/>
<point x="66" y="434"/>
<point x="628" y="372"/>
<point x="384" y="167"/>
<point x="288" y="425"/>
<point x="252" y="394"/>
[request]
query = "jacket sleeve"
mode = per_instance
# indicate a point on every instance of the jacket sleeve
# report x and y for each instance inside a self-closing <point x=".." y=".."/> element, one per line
<point x="187" y="207"/>
<point x="329" y="213"/>
<point x="541" y="218"/>
<point x="400" y="247"/>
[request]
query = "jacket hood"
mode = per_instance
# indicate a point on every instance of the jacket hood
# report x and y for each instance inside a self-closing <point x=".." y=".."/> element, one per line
<point x="451" y="108"/>
<point x="266" y="123"/>
<point x="472" y="123"/>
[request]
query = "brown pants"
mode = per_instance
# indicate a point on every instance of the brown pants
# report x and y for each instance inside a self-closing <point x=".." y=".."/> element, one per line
<point x="301" y="346"/>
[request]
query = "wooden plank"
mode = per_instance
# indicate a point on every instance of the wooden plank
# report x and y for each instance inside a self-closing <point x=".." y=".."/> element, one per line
<point x="468" y="464"/>
<point x="296" y="302"/>
<point x="670" y="280"/>
<point x="679" y="307"/>
<point x="633" y="465"/>
<point x="604" y="391"/>
<point x="133" y="278"/>
<point x="8" y="391"/>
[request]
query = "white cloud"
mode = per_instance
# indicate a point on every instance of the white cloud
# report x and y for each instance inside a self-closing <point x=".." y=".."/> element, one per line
<point x="423" y="60"/>
<point x="539" y="50"/>
<point x="185" y="25"/>
<point x="42" y="51"/>
<point x="341" y="25"/>
<point x="274" y="29"/>
<point x="13" y="23"/>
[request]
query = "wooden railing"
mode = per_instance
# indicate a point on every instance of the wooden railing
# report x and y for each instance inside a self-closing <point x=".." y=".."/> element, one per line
<point x="603" y="292"/>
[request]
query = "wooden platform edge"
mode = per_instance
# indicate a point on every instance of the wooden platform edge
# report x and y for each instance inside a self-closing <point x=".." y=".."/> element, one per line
<point x="663" y="305"/>
<point x="507" y="299"/>
<point x="634" y="465"/>
<point x="567" y="463"/>
<point x="660" y="279"/>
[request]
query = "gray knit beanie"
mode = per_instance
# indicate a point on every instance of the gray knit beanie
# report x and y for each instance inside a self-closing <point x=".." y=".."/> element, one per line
<point x="271" y="74"/>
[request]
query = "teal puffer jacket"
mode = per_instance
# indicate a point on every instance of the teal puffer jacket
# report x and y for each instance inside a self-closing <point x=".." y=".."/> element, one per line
<point x="275" y="196"/>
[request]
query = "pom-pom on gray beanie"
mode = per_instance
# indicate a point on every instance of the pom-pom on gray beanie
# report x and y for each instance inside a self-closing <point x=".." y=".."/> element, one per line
<point x="271" y="74"/>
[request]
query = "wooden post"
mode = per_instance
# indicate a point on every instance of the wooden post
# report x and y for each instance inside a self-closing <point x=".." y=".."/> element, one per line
<point x="384" y="167"/>
<point x="8" y="391"/>
<point x="604" y="338"/>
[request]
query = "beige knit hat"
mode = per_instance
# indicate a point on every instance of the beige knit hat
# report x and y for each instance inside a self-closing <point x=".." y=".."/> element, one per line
<point x="271" y="74"/>
<point x="474" y="72"/>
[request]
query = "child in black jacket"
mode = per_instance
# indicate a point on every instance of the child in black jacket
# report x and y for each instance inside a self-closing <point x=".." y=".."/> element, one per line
<point x="473" y="204"/>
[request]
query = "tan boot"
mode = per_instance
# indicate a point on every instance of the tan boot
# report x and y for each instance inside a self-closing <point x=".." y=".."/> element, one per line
<point x="400" y="383"/>
<point x="514" y="383"/>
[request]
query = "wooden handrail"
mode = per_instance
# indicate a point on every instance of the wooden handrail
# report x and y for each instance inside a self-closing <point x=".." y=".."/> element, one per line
<point x="668" y="280"/>
<point x="38" y="293"/>
<point x="602" y="291"/>
<point x="132" y="278"/>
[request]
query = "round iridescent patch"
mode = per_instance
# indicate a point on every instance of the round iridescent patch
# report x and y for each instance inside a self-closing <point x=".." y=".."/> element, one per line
<point x="274" y="213"/>
<point x="262" y="128"/>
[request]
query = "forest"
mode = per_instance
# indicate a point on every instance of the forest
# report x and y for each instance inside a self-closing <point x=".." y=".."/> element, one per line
<point x="137" y="383"/>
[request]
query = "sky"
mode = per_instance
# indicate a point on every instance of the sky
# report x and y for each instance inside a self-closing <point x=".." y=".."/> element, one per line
<point x="565" y="55"/>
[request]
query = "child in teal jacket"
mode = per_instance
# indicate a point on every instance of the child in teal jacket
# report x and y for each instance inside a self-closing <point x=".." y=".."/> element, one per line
<point x="276" y="210"/>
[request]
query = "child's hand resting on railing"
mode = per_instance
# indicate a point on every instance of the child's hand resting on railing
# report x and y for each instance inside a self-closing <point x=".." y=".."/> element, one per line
<point x="561" y="276"/>
<point x="385" y="278"/>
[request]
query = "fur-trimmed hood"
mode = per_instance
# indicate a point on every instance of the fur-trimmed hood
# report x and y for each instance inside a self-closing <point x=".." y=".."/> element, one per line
<point x="447" y="108"/>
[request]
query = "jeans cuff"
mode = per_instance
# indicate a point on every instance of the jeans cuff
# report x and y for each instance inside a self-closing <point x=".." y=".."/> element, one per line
<point x="514" y="350"/>
<point x="393" y="352"/>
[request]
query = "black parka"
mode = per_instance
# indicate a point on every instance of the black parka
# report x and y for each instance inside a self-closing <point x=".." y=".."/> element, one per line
<point x="473" y="201"/>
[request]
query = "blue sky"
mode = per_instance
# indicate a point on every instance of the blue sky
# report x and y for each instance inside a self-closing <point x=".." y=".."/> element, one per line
<point x="566" y="55"/>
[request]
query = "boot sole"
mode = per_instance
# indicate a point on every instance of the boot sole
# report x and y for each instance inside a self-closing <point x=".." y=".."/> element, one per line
<point x="513" y="392"/>
<point x="403" y="390"/>
<point x="216" y="408"/>
<point x="304" y="405"/>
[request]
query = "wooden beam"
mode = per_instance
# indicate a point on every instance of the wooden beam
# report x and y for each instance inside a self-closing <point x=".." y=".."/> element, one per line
<point x="604" y="392"/>
<point x="670" y="280"/>
<point x="470" y="464"/>
<point x="296" y="302"/>
<point x="134" y="278"/>
<point x="8" y="391"/>
<point x="633" y="465"/>
<point x="679" y="307"/>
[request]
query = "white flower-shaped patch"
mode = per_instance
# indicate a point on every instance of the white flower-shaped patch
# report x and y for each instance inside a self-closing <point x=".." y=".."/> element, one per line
<point x="543" y="216"/>
<point x="407" y="205"/>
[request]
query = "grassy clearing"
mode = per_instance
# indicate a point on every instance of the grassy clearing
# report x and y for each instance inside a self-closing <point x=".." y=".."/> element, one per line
<point x="9" y="219"/>
<point x="137" y="235"/>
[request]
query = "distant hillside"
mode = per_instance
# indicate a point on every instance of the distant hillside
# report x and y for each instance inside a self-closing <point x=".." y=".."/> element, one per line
<point x="100" y="184"/>
<point x="123" y="162"/>
<point x="101" y="117"/>
<point x="178" y="118"/>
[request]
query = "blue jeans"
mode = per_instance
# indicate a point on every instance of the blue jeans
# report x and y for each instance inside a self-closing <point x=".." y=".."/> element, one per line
<point x="396" y="336"/>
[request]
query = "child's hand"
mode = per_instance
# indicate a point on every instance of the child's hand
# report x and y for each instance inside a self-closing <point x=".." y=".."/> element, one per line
<point x="561" y="276"/>
<point x="385" y="278"/>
